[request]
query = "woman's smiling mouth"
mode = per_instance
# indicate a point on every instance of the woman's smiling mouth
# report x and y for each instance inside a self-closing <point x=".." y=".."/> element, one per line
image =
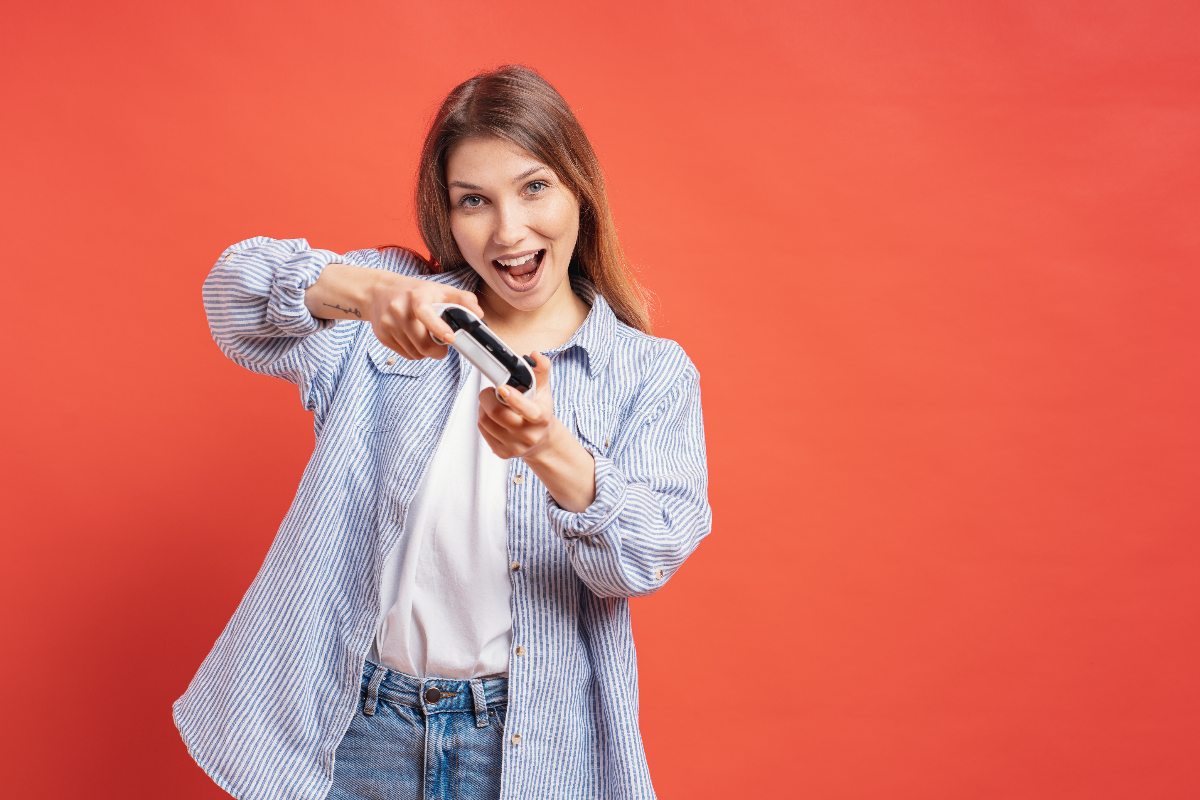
<point x="521" y="273"/>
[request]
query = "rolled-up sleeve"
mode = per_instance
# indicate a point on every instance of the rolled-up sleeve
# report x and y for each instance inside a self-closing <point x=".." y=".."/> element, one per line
<point x="254" y="300"/>
<point x="651" y="508"/>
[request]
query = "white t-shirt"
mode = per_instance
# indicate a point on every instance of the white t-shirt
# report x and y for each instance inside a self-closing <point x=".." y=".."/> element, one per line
<point x="446" y="585"/>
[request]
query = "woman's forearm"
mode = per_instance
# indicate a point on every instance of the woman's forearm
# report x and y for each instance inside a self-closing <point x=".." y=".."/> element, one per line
<point x="343" y="291"/>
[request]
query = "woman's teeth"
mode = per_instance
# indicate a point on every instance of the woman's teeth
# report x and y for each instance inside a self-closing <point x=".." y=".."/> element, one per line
<point x="524" y="275"/>
<point x="522" y="266"/>
<point x="516" y="262"/>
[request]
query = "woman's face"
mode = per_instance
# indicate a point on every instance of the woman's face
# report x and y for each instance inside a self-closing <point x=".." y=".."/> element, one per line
<point x="505" y="204"/>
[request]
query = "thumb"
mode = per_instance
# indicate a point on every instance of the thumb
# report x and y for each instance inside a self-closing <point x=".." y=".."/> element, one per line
<point x="541" y="369"/>
<point x="472" y="302"/>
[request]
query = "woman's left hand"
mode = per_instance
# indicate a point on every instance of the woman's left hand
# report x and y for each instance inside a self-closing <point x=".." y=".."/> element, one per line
<point x="518" y="425"/>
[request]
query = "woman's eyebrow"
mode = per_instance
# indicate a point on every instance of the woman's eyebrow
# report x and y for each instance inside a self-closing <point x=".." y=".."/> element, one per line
<point x="522" y="176"/>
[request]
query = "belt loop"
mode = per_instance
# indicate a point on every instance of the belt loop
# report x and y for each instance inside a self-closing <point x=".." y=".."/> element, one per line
<point x="377" y="677"/>
<point x="481" y="720"/>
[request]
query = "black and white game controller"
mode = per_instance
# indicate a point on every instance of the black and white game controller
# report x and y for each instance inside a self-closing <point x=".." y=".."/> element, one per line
<point x="478" y="344"/>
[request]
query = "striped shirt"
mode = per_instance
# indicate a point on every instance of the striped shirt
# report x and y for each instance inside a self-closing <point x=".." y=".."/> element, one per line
<point x="273" y="698"/>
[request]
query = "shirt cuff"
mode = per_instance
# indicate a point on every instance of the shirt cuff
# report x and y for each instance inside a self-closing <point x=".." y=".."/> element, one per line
<point x="610" y="499"/>
<point x="285" y="306"/>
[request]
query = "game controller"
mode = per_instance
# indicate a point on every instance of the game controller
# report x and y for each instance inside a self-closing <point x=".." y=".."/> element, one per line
<point x="478" y="344"/>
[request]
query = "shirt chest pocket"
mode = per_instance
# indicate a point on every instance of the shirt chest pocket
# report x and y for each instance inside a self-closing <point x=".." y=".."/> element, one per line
<point x="594" y="425"/>
<point x="397" y="381"/>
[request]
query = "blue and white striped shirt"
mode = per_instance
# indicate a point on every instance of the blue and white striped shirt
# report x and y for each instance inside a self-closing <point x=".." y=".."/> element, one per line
<point x="307" y="620"/>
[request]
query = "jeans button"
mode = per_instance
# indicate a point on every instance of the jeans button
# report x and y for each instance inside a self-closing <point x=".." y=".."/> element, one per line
<point x="432" y="695"/>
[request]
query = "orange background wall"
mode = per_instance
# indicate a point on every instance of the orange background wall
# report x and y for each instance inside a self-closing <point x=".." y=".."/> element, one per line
<point x="937" y="264"/>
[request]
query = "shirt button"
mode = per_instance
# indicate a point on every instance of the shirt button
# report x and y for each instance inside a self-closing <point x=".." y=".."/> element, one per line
<point x="516" y="738"/>
<point x="658" y="573"/>
<point x="520" y="649"/>
<point x="518" y="478"/>
<point x="514" y="566"/>
<point x="606" y="441"/>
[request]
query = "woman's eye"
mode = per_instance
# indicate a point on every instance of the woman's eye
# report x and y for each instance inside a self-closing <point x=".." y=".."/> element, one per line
<point x="475" y="201"/>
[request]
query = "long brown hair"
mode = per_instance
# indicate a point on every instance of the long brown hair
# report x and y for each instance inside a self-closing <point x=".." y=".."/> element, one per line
<point x="515" y="103"/>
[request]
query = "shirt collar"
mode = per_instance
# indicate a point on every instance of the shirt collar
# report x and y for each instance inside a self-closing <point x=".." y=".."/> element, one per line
<point x="594" y="336"/>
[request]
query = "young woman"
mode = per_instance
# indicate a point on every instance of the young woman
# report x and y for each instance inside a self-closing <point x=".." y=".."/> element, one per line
<point x="444" y="610"/>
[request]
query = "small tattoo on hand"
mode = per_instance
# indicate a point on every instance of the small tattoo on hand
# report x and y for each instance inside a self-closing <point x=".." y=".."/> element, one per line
<point x="353" y="311"/>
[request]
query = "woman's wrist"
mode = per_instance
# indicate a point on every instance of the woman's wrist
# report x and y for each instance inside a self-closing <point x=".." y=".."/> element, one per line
<point x="566" y="468"/>
<point x="346" y="291"/>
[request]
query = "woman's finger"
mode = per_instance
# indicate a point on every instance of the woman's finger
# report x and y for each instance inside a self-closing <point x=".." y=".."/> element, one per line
<point x="493" y="434"/>
<point x="468" y="299"/>
<point x="391" y="342"/>
<point x="520" y="403"/>
<point x="417" y="331"/>
<point x="541" y="370"/>
<point x="434" y="323"/>
<point x="497" y="411"/>
<point x="491" y="440"/>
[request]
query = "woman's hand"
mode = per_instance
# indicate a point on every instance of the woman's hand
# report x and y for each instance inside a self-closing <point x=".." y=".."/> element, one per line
<point x="516" y="425"/>
<point x="402" y="315"/>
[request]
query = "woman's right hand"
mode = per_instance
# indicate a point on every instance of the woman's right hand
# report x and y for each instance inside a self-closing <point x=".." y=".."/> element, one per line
<point x="402" y="314"/>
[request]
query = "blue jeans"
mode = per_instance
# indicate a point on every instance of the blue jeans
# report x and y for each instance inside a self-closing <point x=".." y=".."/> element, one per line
<point x="414" y="739"/>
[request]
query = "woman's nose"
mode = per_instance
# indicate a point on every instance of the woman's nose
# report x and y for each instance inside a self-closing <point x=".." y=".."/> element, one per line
<point x="510" y="225"/>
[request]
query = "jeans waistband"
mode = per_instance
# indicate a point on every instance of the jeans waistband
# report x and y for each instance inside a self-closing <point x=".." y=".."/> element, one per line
<point x="432" y="695"/>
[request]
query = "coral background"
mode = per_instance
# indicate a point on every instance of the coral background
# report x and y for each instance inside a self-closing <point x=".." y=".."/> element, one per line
<point x="937" y="264"/>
